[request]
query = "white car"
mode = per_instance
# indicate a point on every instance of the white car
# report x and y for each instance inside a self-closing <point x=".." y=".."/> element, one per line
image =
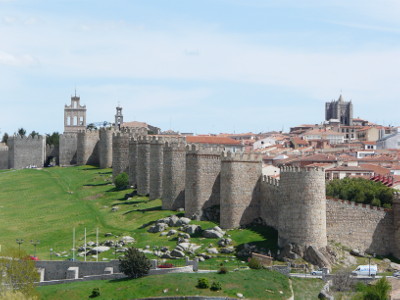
<point x="318" y="272"/>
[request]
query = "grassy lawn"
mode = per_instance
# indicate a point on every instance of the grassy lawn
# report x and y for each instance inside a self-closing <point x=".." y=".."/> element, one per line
<point x="253" y="284"/>
<point x="47" y="204"/>
<point x="305" y="289"/>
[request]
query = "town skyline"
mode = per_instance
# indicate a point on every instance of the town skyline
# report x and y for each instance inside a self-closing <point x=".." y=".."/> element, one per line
<point x="219" y="66"/>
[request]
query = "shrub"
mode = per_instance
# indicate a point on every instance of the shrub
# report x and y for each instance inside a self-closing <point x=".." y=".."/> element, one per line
<point x="222" y="270"/>
<point x="379" y="291"/>
<point x="134" y="263"/>
<point x="202" y="283"/>
<point x="216" y="286"/>
<point x="95" y="293"/>
<point x="254" y="263"/>
<point x="121" y="181"/>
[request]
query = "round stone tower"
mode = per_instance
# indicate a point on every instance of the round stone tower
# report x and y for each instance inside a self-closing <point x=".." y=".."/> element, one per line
<point x="105" y="153"/>
<point x="202" y="187"/>
<point x="120" y="153"/>
<point x="156" y="167"/>
<point x="132" y="161"/>
<point x="173" y="193"/>
<point x="396" y="225"/>
<point x="302" y="218"/>
<point x="240" y="179"/>
<point x="143" y="165"/>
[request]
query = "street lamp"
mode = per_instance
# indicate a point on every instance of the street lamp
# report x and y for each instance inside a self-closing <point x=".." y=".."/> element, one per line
<point x="369" y="264"/>
<point x="51" y="253"/>
<point x="19" y="242"/>
<point x="35" y="243"/>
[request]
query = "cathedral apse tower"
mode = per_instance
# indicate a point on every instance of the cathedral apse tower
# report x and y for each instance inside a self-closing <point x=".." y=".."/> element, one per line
<point x="340" y="110"/>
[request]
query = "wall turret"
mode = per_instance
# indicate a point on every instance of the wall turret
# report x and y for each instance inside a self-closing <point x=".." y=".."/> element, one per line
<point x="202" y="183"/>
<point x="396" y="225"/>
<point x="87" y="152"/>
<point x="120" y="153"/>
<point x="25" y="152"/>
<point x="240" y="179"/>
<point x="173" y="194"/>
<point x="302" y="218"/>
<point x="105" y="148"/>
<point x="132" y="161"/>
<point x="143" y="165"/>
<point x="156" y="167"/>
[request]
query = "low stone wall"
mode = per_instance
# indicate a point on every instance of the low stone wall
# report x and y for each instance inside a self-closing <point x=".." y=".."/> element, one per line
<point x="364" y="227"/>
<point x="86" y="278"/>
<point x="57" y="270"/>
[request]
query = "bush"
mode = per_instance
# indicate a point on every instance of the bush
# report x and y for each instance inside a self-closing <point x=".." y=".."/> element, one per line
<point x="134" y="263"/>
<point x="254" y="263"/>
<point x="95" y="293"/>
<point x="121" y="181"/>
<point x="379" y="291"/>
<point x="216" y="286"/>
<point x="222" y="270"/>
<point x="202" y="283"/>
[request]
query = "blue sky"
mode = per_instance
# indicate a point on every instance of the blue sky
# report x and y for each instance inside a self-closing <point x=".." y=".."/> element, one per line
<point x="198" y="66"/>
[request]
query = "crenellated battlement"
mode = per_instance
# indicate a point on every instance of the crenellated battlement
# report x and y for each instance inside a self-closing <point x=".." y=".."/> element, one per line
<point x="204" y="149"/>
<point x="359" y="205"/>
<point x="270" y="180"/>
<point x="17" y="137"/>
<point x="295" y="169"/>
<point x="241" y="156"/>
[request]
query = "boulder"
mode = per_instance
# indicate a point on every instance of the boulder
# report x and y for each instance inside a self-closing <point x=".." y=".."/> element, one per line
<point x="356" y="252"/>
<point x="127" y="239"/>
<point x="177" y="253"/>
<point x="314" y="256"/>
<point x="192" y="229"/>
<point x="158" y="228"/>
<point x="163" y="220"/>
<point x="212" y="234"/>
<point x="167" y="255"/>
<point x="224" y="242"/>
<point x="228" y="250"/>
<point x="115" y="208"/>
<point x="212" y="250"/>
<point x="163" y="233"/>
<point x="183" y="221"/>
<point x="108" y="234"/>
<point x="184" y="235"/>
<point x="189" y="247"/>
<point x="99" y="249"/>
<point x="173" y="221"/>
<point x="172" y="232"/>
<point x="395" y="266"/>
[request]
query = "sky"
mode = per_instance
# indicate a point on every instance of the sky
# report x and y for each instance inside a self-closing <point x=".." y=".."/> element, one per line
<point x="204" y="66"/>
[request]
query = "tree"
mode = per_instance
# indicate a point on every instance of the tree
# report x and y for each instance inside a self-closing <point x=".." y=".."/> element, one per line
<point x="91" y="126"/>
<point x="18" y="276"/>
<point x="5" y="138"/>
<point x="53" y="139"/>
<point x="21" y="132"/>
<point x="378" y="291"/>
<point x="121" y="181"/>
<point x="34" y="133"/>
<point x="134" y="263"/>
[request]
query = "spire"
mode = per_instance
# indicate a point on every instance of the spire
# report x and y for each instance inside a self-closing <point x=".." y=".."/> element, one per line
<point x="340" y="98"/>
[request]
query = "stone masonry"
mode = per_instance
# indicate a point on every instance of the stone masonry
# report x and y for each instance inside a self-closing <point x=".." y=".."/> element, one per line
<point x="68" y="148"/>
<point x="202" y="183"/>
<point x="143" y="165"/>
<point x="87" y="148"/>
<point x="173" y="194"/>
<point x="156" y="167"/>
<point x="240" y="179"/>
<point x="105" y="147"/>
<point x="3" y="156"/>
<point x="120" y="153"/>
<point x="26" y="151"/>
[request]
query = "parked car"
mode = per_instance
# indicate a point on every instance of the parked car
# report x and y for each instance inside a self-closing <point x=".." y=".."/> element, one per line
<point x="396" y="274"/>
<point x="319" y="272"/>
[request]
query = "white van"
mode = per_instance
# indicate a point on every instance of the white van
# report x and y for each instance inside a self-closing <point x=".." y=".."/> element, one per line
<point x="365" y="270"/>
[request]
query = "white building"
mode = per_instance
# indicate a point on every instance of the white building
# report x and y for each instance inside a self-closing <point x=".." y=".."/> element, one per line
<point x="389" y="142"/>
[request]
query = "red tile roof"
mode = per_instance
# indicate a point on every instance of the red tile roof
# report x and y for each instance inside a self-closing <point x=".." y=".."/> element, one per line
<point x="212" y="140"/>
<point x="378" y="170"/>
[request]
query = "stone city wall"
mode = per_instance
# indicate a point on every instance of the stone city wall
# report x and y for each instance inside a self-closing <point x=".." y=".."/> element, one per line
<point x="26" y="151"/>
<point x="202" y="181"/>
<point x="270" y="201"/>
<point x="52" y="154"/>
<point x="302" y="209"/>
<point x="88" y="148"/>
<point x="143" y="165"/>
<point x="105" y="148"/>
<point x="173" y="194"/>
<point x="240" y="186"/>
<point x="132" y="161"/>
<point x="156" y="167"/>
<point x="120" y="153"/>
<point x="68" y="148"/>
<point x="360" y="226"/>
<point x="3" y="157"/>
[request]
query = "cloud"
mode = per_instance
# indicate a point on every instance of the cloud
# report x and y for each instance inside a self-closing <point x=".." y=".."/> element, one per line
<point x="17" y="60"/>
